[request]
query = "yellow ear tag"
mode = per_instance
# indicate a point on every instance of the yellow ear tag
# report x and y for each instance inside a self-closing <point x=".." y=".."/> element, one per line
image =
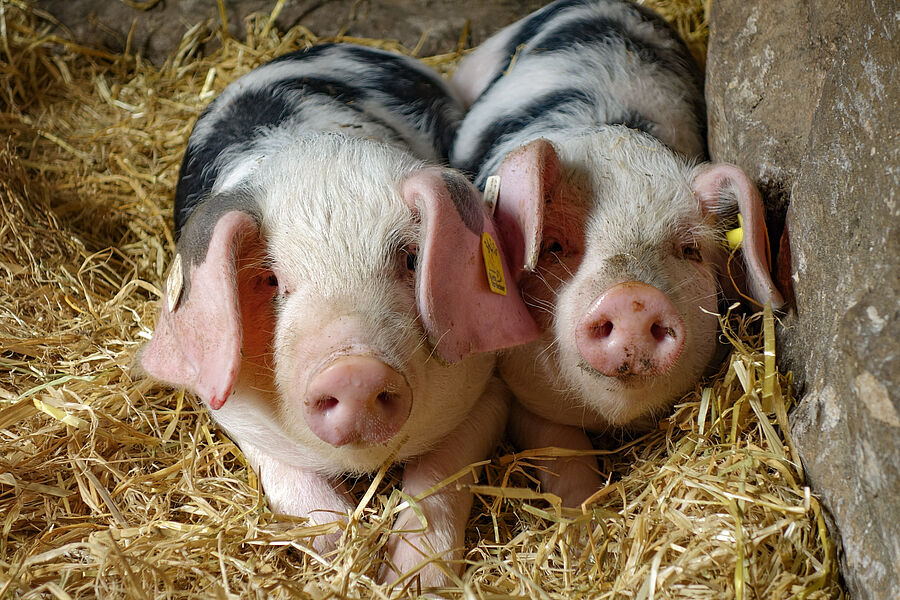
<point x="174" y="283"/>
<point x="493" y="265"/>
<point x="735" y="236"/>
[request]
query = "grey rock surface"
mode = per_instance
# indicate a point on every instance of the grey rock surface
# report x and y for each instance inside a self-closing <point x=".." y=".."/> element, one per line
<point x="805" y="96"/>
<point x="159" y="29"/>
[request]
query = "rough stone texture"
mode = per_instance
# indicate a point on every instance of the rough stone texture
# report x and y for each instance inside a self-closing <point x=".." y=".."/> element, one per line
<point x="159" y="29"/>
<point x="805" y="96"/>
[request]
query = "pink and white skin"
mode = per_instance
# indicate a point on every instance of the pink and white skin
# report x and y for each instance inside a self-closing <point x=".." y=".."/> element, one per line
<point x="334" y="312"/>
<point x="323" y="350"/>
<point x="616" y="237"/>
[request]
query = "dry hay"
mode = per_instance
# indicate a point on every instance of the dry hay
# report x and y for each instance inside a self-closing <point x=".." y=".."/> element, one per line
<point x="116" y="488"/>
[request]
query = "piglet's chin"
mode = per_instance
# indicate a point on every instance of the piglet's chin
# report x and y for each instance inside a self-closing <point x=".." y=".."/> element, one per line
<point x="626" y="401"/>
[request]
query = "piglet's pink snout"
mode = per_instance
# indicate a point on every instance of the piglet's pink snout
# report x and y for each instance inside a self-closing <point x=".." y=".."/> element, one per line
<point x="357" y="400"/>
<point x="631" y="329"/>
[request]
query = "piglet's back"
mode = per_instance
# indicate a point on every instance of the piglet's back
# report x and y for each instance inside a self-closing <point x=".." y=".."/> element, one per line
<point x="350" y="90"/>
<point x="573" y="66"/>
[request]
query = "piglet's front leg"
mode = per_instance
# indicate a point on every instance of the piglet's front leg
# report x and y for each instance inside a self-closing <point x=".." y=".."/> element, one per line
<point x="447" y="511"/>
<point x="301" y="493"/>
<point x="572" y="479"/>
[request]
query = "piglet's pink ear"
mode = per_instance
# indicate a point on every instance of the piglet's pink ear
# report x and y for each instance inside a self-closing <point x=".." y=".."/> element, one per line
<point x="460" y="312"/>
<point x="538" y="208"/>
<point x="197" y="342"/>
<point x="527" y="177"/>
<point x="718" y="185"/>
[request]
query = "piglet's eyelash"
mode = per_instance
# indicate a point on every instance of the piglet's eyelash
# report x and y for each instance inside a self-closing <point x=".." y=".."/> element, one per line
<point x="692" y="252"/>
<point x="553" y="247"/>
<point x="410" y="255"/>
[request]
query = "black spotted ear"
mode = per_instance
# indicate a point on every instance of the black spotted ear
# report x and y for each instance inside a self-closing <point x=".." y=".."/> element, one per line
<point x="720" y="184"/>
<point x="200" y="333"/>
<point x="467" y="299"/>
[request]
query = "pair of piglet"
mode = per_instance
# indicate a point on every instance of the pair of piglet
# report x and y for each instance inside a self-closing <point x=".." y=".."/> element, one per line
<point x="591" y="113"/>
<point x="328" y="300"/>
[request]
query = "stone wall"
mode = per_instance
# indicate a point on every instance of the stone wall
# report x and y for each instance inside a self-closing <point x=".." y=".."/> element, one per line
<point x="805" y="96"/>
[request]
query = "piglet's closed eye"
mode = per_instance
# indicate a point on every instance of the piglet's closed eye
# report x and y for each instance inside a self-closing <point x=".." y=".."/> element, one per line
<point x="461" y="312"/>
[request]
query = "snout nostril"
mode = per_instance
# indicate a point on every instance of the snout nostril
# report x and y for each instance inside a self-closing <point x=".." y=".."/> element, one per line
<point x="602" y="330"/>
<point x="356" y="399"/>
<point x="631" y="329"/>
<point x="661" y="332"/>
<point x="326" y="403"/>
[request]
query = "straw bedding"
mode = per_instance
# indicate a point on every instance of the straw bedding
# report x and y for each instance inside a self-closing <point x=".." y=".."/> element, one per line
<point x="115" y="488"/>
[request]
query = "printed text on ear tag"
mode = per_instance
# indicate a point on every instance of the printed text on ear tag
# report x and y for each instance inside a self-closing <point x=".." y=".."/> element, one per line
<point x="493" y="265"/>
<point x="174" y="283"/>
<point x="492" y="192"/>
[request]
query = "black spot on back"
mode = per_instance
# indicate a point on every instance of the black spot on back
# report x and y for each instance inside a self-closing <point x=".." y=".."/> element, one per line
<point x="411" y="93"/>
<point x="634" y="120"/>
<point x="612" y="32"/>
<point x="494" y="135"/>
<point x="421" y="99"/>
<point x="531" y="27"/>
<point x="609" y="30"/>
<point x="537" y="22"/>
<point x="238" y="123"/>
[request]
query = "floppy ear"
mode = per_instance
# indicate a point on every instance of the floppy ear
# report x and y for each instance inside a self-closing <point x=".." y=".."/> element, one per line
<point x="527" y="175"/>
<point x="535" y="206"/>
<point x="720" y="188"/>
<point x="460" y="312"/>
<point x="199" y="335"/>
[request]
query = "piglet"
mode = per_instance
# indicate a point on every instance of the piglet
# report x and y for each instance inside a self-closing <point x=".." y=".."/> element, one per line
<point x="591" y="113"/>
<point x="328" y="300"/>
